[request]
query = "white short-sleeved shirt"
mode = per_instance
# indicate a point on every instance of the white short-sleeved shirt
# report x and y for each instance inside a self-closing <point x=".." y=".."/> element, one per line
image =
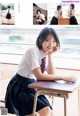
<point x="56" y="14"/>
<point x="8" y="10"/>
<point x="31" y="60"/>
<point x="42" y="16"/>
<point x="72" y="12"/>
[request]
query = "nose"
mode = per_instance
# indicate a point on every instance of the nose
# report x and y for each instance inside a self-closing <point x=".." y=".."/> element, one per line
<point x="51" y="44"/>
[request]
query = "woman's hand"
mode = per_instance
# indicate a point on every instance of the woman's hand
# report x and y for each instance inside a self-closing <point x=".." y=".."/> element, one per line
<point x="55" y="49"/>
<point x="70" y="79"/>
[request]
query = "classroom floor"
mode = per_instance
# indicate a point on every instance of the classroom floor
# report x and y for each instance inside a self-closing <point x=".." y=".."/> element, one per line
<point x="7" y="22"/>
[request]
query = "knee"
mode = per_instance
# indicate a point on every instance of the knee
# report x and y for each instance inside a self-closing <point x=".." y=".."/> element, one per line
<point x="47" y="111"/>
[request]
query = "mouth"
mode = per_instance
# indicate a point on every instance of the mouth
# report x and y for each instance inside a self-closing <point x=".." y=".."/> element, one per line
<point x="51" y="48"/>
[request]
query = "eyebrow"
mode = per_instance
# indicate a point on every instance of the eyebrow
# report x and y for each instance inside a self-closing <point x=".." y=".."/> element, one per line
<point x="49" y="39"/>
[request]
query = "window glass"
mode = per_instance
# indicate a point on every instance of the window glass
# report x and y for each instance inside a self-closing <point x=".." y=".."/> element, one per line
<point x="14" y="43"/>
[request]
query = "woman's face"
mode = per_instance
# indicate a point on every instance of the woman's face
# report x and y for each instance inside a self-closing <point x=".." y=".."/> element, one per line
<point x="49" y="44"/>
<point x="70" y="7"/>
<point x="60" y="10"/>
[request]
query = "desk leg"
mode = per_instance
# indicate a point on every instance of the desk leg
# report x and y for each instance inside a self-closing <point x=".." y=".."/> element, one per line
<point x="79" y="101"/>
<point x="52" y="100"/>
<point x="35" y="103"/>
<point x="65" y="112"/>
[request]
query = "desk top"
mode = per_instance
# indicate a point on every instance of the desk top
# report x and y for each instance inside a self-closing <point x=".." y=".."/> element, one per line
<point x="64" y="21"/>
<point x="60" y="86"/>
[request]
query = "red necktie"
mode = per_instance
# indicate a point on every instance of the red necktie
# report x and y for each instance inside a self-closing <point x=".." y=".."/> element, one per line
<point x="43" y="64"/>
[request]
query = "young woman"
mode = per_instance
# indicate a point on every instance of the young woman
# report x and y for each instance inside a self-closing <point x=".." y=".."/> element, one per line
<point x="8" y="14"/>
<point x="71" y="14"/>
<point x="40" y="17"/>
<point x="18" y="94"/>
<point x="57" y="14"/>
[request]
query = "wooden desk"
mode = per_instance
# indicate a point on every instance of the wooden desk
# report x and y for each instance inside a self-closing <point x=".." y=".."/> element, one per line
<point x="57" y="88"/>
<point x="63" y="21"/>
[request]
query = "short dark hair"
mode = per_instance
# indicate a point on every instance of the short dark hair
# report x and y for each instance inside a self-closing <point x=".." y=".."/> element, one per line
<point x="44" y="34"/>
<point x="58" y="7"/>
<point x="8" y="6"/>
<point x="72" y="5"/>
<point x="38" y="11"/>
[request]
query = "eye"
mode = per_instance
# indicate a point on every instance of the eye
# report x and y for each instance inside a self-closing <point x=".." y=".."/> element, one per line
<point x="47" y="40"/>
<point x="54" y="41"/>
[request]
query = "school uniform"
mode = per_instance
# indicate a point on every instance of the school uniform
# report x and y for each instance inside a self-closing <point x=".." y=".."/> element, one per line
<point x="41" y="17"/>
<point x="73" y="20"/>
<point x="19" y="97"/>
<point x="54" y="20"/>
<point x="8" y="14"/>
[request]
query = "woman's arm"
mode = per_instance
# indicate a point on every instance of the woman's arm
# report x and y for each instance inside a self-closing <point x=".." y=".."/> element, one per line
<point x="51" y="77"/>
<point x="48" y="77"/>
<point x="59" y="14"/>
<point x="70" y="13"/>
<point x="51" y="68"/>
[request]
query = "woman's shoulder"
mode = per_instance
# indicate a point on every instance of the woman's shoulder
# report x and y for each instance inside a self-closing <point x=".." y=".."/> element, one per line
<point x="32" y="52"/>
<point x="56" y="13"/>
<point x="73" y="11"/>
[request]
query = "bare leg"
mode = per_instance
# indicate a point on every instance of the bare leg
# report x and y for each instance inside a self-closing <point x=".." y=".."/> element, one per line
<point x="47" y="111"/>
<point x="52" y="113"/>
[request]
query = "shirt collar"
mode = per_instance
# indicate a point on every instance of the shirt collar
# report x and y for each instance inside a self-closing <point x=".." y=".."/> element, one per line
<point x="42" y="54"/>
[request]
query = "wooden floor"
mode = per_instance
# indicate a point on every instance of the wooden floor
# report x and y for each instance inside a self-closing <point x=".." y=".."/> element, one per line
<point x="7" y="22"/>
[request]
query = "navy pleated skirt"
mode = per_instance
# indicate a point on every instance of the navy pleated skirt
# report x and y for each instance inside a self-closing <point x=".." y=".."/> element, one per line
<point x="19" y="97"/>
<point x="73" y="21"/>
<point x="54" y="21"/>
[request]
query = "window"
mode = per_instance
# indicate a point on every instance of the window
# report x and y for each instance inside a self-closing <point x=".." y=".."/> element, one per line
<point x="14" y="43"/>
